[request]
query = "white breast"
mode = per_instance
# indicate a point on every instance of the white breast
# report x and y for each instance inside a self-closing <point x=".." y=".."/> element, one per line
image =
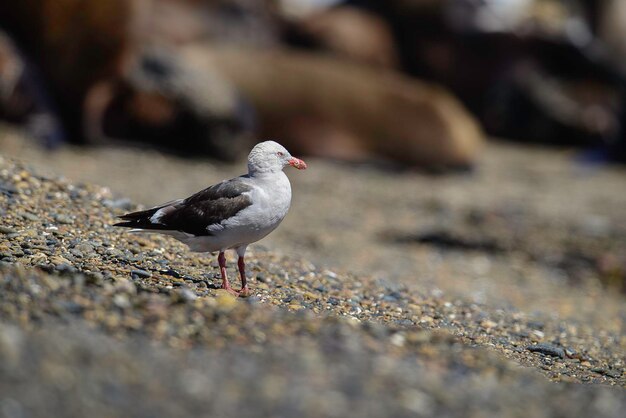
<point x="271" y="199"/>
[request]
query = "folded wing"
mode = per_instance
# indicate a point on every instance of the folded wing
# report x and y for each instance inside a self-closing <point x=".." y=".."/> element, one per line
<point x="195" y="214"/>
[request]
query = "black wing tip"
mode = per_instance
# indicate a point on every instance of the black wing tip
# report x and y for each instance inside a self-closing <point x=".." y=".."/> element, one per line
<point x="147" y="226"/>
<point x="126" y="224"/>
<point x="136" y="215"/>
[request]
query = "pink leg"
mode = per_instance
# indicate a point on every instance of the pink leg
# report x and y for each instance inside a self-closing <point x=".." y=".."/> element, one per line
<point x="221" y="259"/>
<point x="245" y="291"/>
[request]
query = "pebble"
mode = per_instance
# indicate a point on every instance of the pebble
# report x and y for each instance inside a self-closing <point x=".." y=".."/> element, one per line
<point x="571" y="353"/>
<point x="84" y="248"/>
<point x="538" y="334"/>
<point x="6" y="230"/>
<point x="121" y="300"/>
<point x="77" y="253"/>
<point x="608" y="372"/>
<point x="487" y="324"/>
<point x="225" y="300"/>
<point x="547" y="349"/>
<point x="63" y="219"/>
<point x="7" y="189"/>
<point x="57" y="260"/>
<point x="30" y="217"/>
<point x="184" y="294"/>
<point x="140" y="273"/>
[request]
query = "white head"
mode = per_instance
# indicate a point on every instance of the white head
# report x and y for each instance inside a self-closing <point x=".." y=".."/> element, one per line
<point x="270" y="157"/>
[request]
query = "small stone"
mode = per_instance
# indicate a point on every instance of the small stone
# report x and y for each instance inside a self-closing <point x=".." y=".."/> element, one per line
<point x="65" y="268"/>
<point x="487" y="324"/>
<point x="18" y="252"/>
<point x="566" y="379"/>
<point x="311" y="295"/>
<point x="7" y="230"/>
<point x="140" y="273"/>
<point x="113" y="252"/>
<point x="29" y="216"/>
<point x="616" y="374"/>
<point x="124" y="285"/>
<point x="58" y="260"/>
<point x="225" y="301"/>
<point x="94" y="278"/>
<point x="76" y="253"/>
<point x="184" y="294"/>
<point x="84" y="248"/>
<point x="571" y="353"/>
<point x="31" y="233"/>
<point x="7" y="189"/>
<point x="536" y="325"/>
<point x="121" y="300"/>
<point x="398" y="339"/>
<point x="538" y="334"/>
<point x="547" y="349"/>
<point x="63" y="219"/>
<point x="319" y="286"/>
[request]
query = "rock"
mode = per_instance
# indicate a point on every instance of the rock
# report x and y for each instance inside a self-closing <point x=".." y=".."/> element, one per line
<point x="30" y="217"/>
<point x="6" y="230"/>
<point x="225" y="301"/>
<point x="140" y="273"/>
<point x="487" y="324"/>
<point x="7" y="189"/>
<point x="122" y="301"/>
<point x="76" y="253"/>
<point x="63" y="219"/>
<point x="58" y="260"/>
<point x="571" y="353"/>
<point x="547" y="349"/>
<point x="319" y="286"/>
<point x="122" y="284"/>
<point x="184" y="294"/>
<point x="608" y="372"/>
<point x="85" y="248"/>
<point x="539" y="335"/>
<point x="398" y="339"/>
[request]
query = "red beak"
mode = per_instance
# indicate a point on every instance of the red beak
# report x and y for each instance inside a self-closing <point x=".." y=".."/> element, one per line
<point x="297" y="163"/>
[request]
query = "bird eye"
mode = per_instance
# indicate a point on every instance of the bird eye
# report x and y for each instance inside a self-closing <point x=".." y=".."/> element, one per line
<point x="280" y="154"/>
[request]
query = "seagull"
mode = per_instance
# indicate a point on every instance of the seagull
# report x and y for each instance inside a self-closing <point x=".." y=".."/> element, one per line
<point x="228" y="215"/>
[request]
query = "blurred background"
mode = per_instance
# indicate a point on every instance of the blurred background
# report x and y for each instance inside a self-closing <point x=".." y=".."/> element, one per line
<point x="414" y="82"/>
<point x="512" y="110"/>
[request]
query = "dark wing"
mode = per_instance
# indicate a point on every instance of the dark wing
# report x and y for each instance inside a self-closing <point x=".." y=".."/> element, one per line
<point x="194" y="214"/>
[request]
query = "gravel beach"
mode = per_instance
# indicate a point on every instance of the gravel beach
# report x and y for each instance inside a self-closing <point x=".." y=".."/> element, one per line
<point x="492" y="293"/>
